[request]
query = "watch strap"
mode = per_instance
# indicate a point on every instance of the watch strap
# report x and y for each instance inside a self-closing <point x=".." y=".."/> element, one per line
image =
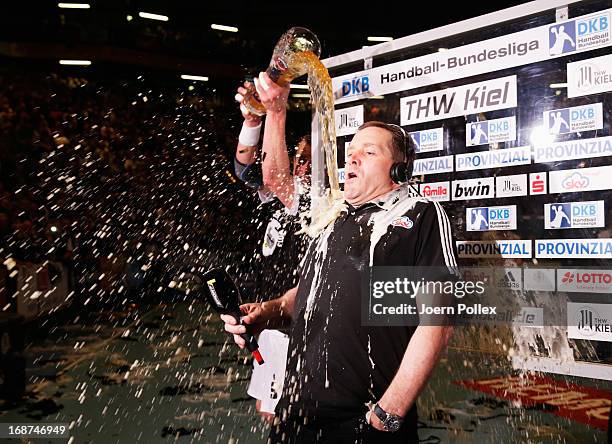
<point x="387" y="418"/>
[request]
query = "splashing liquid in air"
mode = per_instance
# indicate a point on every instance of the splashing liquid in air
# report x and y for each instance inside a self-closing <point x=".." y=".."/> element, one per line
<point x="297" y="53"/>
<point x="326" y="208"/>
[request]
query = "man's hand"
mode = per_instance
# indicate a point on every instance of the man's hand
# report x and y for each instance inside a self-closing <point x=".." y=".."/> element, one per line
<point x="272" y="96"/>
<point x="250" y="118"/>
<point x="265" y="416"/>
<point x="252" y="316"/>
<point x="375" y="421"/>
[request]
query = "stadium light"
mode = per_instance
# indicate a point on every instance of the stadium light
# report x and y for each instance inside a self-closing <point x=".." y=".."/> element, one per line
<point x="379" y="39"/>
<point x="190" y="77"/>
<point x="73" y="5"/>
<point x="224" y="28"/>
<point x="75" y="62"/>
<point x="148" y="15"/>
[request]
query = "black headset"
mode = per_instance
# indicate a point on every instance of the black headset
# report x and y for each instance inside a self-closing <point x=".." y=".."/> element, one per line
<point x="401" y="172"/>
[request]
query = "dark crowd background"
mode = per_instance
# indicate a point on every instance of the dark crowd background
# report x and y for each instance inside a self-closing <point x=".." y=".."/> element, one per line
<point x="124" y="182"/>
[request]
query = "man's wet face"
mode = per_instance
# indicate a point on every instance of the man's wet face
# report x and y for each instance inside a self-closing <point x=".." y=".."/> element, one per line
<point x="368" y="165"/>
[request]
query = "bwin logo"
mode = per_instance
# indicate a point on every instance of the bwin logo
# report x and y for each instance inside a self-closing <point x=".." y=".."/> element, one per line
<point x="356" y="86"/>
<point x="562" y="38"/>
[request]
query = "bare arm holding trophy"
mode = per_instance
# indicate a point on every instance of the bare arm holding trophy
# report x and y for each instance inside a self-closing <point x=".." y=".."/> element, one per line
<point x="270" y="174"/>
<point x="268" y="96"/>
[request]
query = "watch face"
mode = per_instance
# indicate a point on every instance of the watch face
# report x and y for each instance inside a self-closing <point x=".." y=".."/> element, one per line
<point x="393" y="424"/>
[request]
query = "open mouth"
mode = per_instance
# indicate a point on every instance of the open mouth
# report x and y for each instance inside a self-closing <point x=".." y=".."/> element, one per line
<point x="351" y="176"/>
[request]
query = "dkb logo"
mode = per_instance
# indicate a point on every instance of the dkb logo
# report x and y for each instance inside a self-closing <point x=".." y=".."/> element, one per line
<point x="562" y="38"/>
<point x="558" y="121"/>
<point x="356" y="86"/>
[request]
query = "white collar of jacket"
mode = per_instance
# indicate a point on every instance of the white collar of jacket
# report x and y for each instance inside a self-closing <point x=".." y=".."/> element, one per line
<point x="388" y="200"/>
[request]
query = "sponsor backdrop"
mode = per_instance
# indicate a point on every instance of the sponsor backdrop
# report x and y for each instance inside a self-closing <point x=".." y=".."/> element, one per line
<point x="512" y="133"/>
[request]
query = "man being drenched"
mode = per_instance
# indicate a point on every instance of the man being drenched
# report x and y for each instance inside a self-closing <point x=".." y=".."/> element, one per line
<point x="347" y="382"/>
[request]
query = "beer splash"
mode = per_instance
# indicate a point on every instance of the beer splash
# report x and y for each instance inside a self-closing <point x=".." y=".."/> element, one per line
<point x="327" y="207"/>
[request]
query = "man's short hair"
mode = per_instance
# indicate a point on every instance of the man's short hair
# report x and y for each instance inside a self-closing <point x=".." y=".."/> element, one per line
<point x="403" y="148"/>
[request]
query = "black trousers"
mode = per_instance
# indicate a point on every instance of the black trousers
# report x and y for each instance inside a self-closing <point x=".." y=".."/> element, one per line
<point x="351" y="431"/>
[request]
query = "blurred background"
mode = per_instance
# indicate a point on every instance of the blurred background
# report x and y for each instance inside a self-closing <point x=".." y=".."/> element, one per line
<point x="118" y="128"/>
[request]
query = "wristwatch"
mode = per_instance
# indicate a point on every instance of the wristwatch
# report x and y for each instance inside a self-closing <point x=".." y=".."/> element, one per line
<point x="391" y="423"/>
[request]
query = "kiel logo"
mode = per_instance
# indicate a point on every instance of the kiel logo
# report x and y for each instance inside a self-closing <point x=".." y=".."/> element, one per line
<point x="585" y="322"/>
<point x="575" y="182"/>
<point x="403" y="222"/>
<point x="510" y="186"/>
<point x="356" y="86"/>
<point x="347" y="121"/>
<point x="585" y="77"/>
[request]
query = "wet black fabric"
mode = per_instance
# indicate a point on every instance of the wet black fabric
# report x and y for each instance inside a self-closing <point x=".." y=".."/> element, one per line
<point x="350" y="431"/>
<point x="336" y="365"/>
<point x="280" y="270"/>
